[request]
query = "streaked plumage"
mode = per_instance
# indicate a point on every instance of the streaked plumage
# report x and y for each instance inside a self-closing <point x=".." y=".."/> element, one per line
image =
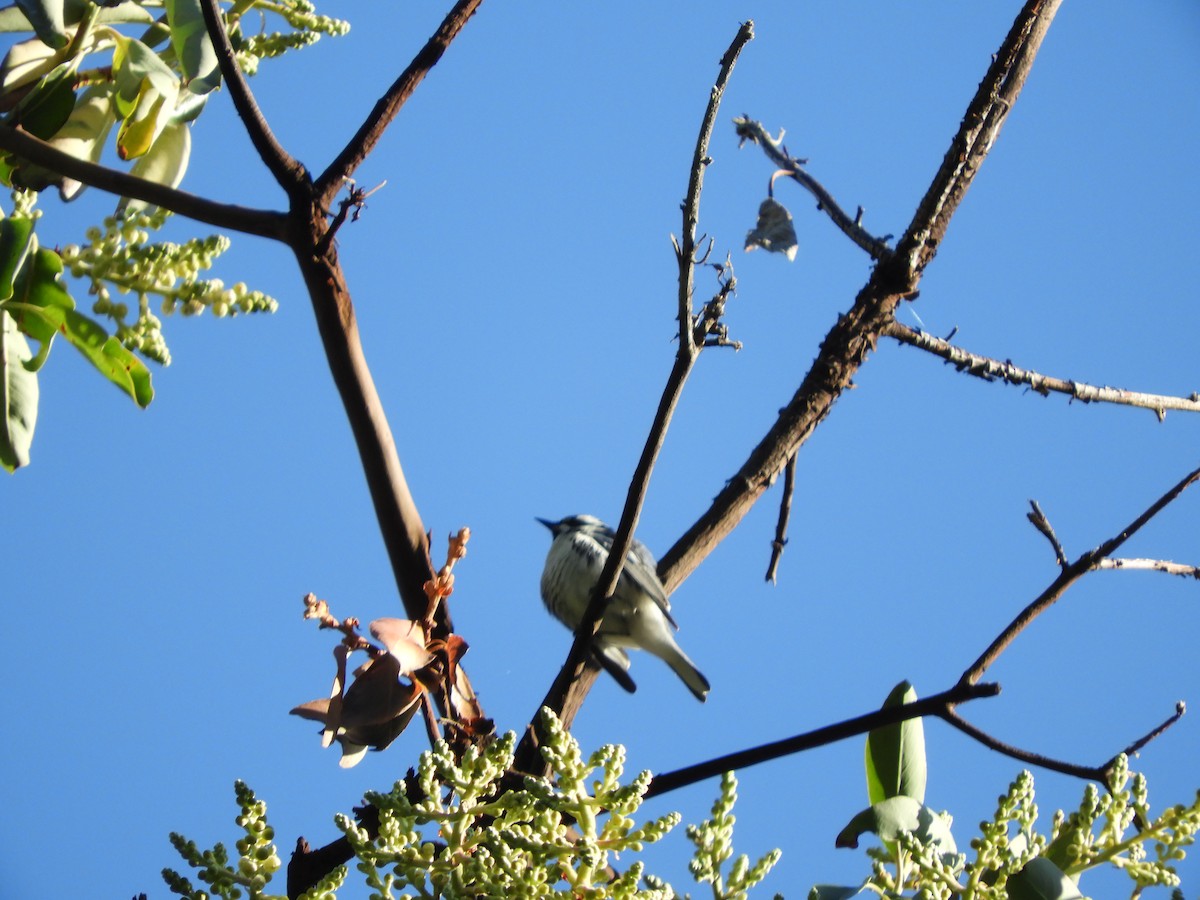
<point x="638" y="616"/>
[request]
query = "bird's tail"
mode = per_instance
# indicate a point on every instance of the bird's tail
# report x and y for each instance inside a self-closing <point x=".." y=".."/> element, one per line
<point x="687" y="672"/>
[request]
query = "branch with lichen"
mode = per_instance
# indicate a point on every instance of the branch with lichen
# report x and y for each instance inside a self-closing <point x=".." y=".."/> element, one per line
<point x="994" y="370"/>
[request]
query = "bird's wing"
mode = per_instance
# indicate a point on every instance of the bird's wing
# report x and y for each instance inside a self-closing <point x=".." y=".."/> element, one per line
<point x="640" y="568"/>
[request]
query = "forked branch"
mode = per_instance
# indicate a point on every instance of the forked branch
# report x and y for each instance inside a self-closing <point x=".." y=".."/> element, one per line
<point x="895" y="277"/>
<point x="944" y="705"/>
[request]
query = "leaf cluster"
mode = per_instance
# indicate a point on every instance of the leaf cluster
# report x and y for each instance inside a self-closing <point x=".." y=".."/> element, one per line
<point x="130" y="77"/>
<point x="1012" y="860"/>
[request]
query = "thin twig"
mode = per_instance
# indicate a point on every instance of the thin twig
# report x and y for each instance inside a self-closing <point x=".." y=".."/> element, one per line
<point x="749" y="130"/>
<point x="288" y="172"/>
<point x="1136" y="746"/>
<point x="1152" y="565"/>
<point x="1090" y="773"/>
<point x="894" y="278"/>
<point x="1042" y="524"/>
<point x="576" y="677"/>
<point x="686" y="250"/>
<point x="1088" y="562"/>
<point x="359" y="147"/>
<point x="260" y="222"/>
<point x="993" y="369"/>
<point x="933" y="705"/>
<point x="781" y="526"/>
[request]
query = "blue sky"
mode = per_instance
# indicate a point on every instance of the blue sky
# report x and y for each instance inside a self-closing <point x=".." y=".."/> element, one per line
<point x="514" y="282"/>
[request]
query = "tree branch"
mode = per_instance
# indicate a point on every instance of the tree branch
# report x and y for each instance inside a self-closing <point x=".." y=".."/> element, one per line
<point x="1042" y="524"/>
<point x="978" y="132"/>
<point x="1152" y="565"/>
<point x="288" y="172"/>
<point x="260" y="222"/>
<point x="992" y="369"/>
<point x="1088" y="562"/>
<point x="749" y="130"/>
<point x="570" y="687"/>
<point x="781" y="526"/>
<point x="371" y="131"/>
<point x="894" y="278"/>
<point x="933" y="705"/>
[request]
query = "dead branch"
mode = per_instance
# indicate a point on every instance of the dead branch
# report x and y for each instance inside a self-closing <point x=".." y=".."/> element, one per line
<point x="1042" y="524"/>
<point x="749" y="130"/>
<point x="360" y="146"/>
<point x="785" y="512"/>
<point x="576" y="677"/>
<point x="993" y="369"/>
<point x="894" y="278"/>
<point x="1088" y="562"/>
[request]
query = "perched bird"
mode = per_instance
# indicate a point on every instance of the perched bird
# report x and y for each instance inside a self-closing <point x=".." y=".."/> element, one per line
<point x="638" y="615"/>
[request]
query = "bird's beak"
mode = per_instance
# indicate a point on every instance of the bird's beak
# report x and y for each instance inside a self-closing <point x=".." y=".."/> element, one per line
<point x="548" y="523"/>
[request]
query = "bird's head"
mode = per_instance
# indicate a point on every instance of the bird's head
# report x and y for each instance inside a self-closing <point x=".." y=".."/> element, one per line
<point x="572" y="523"/>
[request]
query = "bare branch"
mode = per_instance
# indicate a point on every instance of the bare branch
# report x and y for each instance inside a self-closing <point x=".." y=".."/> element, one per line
<point x="1152" y="565"/>
<point x="934" y="705"/>
<point x="750" y="130"/>
<point x="700" y="161"/>
<point x="1090" y="773"/>
<point x="1136" y="746"/>
<point x="978" y="132"/>
<point x="992" y="369"/>
<point x="894" y="278"/>
<point x="785" y="511"/>
<point x="1088" y="562"/>
<point x="288" y="172"/>
<point x="1042" y="524"/>
<point x="576" y="677"/>
<point x="371" y="131"/>
<point x="260" y="222"/>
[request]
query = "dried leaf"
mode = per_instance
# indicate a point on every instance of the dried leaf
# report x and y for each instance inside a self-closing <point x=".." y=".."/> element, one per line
<point x="774" y="231"/>
<point x="404" y="640"/>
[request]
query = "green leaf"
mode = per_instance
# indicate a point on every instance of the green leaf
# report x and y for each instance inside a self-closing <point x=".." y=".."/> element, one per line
<point x="46" y="17"/>
<point x="895" y="754"/>
<point x="106" y="353"/>
<point x="109" y="14"/>
<point x="16" y="237"/>
<point x="40" y="302"/>
<point x="83" y="136"/>
<point x="18" y="396"/>
<point x="889" y="818"/>
<point x="133" y="64"/>
<point x="1040" y="879"/>
<point x="193" y="48"/>
<point x="165" y="161"/>
<point x="25" y="63"/>
<point x="45" y="109"/>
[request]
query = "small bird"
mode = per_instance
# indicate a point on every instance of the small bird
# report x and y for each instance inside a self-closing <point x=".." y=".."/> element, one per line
<point x="638" y="616"/>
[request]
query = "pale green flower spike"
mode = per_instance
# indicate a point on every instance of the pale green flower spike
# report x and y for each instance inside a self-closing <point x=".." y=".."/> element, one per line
<point x="714" y="847"/>
<point x="120" y="260"/>
<point x="1011" y="859"/>
<point x="466" y="830"/>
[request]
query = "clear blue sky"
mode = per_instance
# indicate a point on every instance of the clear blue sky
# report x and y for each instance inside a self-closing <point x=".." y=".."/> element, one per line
<point x="515" y="286"/>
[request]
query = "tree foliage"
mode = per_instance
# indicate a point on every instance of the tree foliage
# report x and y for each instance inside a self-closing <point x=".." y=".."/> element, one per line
<point x="484" y="815"/>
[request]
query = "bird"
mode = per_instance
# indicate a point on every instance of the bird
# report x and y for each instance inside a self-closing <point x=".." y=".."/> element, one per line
<point x="638" y="615"/>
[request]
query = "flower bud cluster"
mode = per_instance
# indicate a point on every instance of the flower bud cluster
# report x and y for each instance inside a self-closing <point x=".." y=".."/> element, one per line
<point x="119" y="259"/>
<point x="299" y="14"/>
